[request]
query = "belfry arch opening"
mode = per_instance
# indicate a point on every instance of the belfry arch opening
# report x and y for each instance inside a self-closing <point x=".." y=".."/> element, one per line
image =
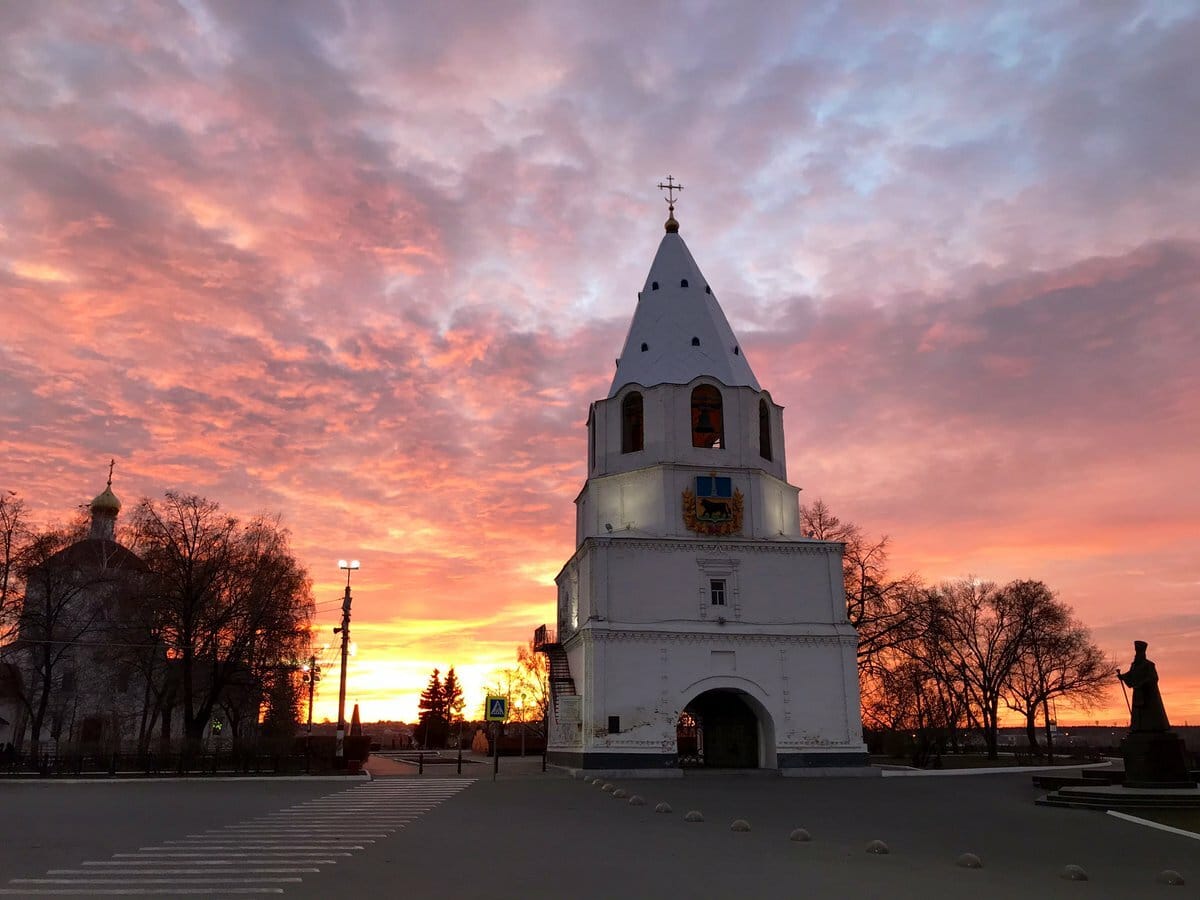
<point x="764" y="430"/>
<point x="725" y="728"/>
<point x="632" y="427"/>
<point x="708" y="420"/>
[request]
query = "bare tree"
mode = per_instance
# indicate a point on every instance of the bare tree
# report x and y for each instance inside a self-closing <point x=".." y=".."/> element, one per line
<point x="975" y="634"/>
<point x="1059" y="660"/>
<point x="226" y="596"/>
<point x="534" y="679"/>
<point x="877" y="605"/>
<point x="14" y="540"/>
<point x="912" y="705"/>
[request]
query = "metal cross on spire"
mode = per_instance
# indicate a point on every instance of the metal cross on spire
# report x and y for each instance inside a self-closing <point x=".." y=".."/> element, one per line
<point x="111" y="463"/>
<point x="671" y="187"/>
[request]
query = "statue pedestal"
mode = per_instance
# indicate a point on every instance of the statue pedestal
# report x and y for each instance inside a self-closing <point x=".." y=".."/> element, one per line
<point x="1155" y="759"/>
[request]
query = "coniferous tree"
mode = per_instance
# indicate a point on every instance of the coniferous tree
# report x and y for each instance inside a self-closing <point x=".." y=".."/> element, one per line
<point x="431" y="727"/>
<point x="453" y="695"/>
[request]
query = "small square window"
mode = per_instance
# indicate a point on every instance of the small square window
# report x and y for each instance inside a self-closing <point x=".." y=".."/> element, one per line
<point x="614" y="724"/>
<point x="716" y="591"/>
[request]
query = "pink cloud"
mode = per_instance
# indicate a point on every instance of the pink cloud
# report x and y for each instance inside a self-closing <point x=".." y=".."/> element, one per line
<point x="367" y="268"/>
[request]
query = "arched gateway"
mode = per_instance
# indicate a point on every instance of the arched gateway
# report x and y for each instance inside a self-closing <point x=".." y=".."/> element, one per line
<point x="725" y="728"/>
<point x="697" y="624"/>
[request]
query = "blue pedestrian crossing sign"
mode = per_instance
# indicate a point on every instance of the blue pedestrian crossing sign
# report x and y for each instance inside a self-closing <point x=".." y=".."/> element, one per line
<point x="497" y="709"/>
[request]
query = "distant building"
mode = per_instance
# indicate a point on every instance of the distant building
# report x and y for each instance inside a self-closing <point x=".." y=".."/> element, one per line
<point x="697" y="625"/>
<point x="78" y="623"/>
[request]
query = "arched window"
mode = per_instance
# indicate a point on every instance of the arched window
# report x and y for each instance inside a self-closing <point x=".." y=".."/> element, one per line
<point x="695" y="342"/>
<point x="683" y="282"/>
<point x="708" y="423"/>
<point x="764" y="430"/>
<point x="631" y="423"/>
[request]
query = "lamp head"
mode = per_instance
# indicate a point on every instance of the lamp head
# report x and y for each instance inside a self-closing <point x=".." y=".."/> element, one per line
<point x="350" y="564"/>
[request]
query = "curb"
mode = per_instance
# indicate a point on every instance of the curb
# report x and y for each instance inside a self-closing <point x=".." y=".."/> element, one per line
<point x="185" y="779"/>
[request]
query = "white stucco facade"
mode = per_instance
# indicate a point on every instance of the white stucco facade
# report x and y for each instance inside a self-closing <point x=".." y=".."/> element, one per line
<point x="692" y="589"/>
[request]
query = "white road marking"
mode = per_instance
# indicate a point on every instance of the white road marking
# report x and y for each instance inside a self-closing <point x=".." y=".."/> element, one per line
<point x="203" y="870"/>
<point x="205" y="861"/>
<point x="1170" y="829"/>
<point x="153" y="853"/>
<point x="249" y="857"/>
<point x="224" y="849"/>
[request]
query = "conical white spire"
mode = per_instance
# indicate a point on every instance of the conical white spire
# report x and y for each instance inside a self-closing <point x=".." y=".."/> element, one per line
<point x="678" y="330"/>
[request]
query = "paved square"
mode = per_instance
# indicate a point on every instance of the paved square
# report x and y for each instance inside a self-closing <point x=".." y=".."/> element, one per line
<point x="533" y="835"/>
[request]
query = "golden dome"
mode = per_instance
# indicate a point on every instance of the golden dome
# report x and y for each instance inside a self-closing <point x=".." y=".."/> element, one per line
<point x="106" y="501"/>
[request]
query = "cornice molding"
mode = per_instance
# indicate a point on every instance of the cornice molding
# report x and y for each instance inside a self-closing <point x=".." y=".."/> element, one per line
<point x="702" y="637"/>
<point x="685" y="545"/>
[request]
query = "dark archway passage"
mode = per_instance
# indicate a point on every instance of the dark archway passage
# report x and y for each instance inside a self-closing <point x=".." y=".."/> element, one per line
<point x="718" y="730"/>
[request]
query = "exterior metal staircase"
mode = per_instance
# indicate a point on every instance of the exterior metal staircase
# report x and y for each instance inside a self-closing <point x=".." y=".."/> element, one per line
<point x="561" y="682"/>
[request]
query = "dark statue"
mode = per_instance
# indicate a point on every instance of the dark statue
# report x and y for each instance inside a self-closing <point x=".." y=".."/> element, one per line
<point x="1154" y="755"/>
<point x="1146" y="713"/>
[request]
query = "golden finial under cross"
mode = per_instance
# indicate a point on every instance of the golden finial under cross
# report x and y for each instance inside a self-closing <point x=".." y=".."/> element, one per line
<point x="671" y="187"/>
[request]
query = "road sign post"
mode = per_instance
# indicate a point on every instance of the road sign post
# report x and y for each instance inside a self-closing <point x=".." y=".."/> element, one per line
<point x="496" y="710"/>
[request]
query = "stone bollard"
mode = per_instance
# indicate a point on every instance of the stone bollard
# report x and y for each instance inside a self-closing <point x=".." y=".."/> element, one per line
<point x="1170" y="876"/>
<point x="878" y="847"/>
<point x="969" y="861"/>
<point x="739" y="825"/>
<point x="620" y="793"/>
<point x="636" y="800"/>
<point x="800" y="834"/>
<point x="1073" y="873"/>
<point x="694" y="816"/>
<point x="663" y="807"/>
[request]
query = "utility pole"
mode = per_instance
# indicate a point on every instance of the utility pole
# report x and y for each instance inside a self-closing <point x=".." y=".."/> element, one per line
<point x="312" y="684"/>
<point x="340" y="751"/>
<point x="313" y="672"/>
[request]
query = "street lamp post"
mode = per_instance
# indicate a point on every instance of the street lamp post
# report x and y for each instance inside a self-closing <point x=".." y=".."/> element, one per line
<point x="340" y="751"/>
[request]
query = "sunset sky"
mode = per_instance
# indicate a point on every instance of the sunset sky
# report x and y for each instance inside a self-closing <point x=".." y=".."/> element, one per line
<point x="366" y="264"/>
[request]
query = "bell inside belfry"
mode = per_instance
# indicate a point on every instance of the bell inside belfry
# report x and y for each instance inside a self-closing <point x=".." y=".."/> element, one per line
<point x="704" y="423"/>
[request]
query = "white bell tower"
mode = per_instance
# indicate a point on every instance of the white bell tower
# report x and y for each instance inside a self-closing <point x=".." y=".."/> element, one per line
<point x="697" y="626"/>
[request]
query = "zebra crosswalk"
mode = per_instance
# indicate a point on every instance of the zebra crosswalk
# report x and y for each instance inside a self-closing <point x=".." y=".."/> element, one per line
<point x="264" y="855"/>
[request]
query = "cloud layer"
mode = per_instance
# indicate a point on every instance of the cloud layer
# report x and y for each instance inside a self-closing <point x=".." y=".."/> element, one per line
<point x="366" y="264"/>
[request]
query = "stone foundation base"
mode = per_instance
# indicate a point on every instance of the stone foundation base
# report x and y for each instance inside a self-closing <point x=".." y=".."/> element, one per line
<point x="1155" y="760"/>
<point x="808" y="760"/>
<point x="666" y="765"/>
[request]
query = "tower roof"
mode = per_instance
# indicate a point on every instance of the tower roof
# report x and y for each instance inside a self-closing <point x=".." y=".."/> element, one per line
<point x="676" y="310"/>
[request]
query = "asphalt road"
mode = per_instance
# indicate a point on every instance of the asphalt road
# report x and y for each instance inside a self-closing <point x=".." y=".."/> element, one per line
<point x="538" y="836"/>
